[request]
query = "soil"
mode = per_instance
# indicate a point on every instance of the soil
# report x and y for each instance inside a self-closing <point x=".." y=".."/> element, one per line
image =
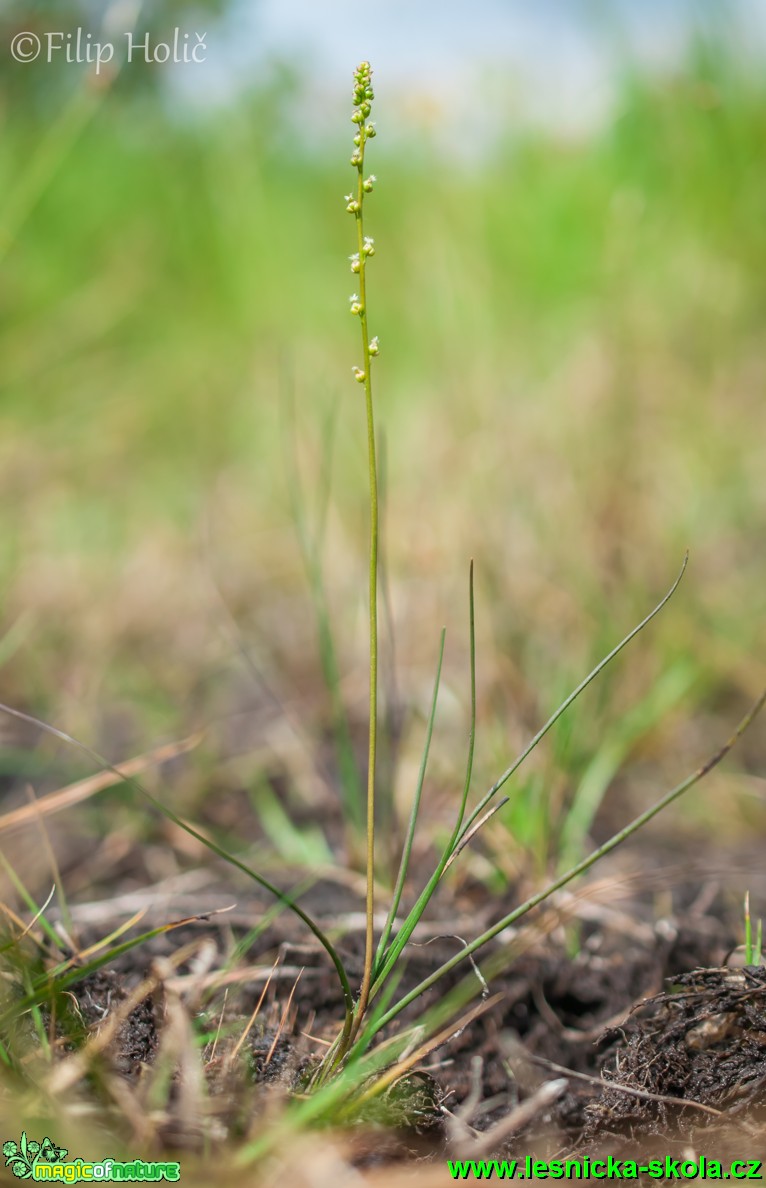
<point x="626" y="1032"/>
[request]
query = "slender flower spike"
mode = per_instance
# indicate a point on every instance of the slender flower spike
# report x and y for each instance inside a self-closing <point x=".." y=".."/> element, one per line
<point x="363" y="96"/>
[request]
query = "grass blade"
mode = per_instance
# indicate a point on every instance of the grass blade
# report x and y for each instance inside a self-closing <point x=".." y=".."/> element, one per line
<point x="581" y="867"/>
<point x="410" y="923"/>
<point x="407" y="848"/>
<point x="283" y="898"/>
<point x="572" y="697"/>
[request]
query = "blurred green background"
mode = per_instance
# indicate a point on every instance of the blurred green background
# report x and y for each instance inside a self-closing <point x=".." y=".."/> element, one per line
<point x="569" y="290"/>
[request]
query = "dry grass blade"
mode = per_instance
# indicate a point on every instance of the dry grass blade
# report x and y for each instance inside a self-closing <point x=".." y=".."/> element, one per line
<point x="283" y="1020"/>
<point x="37" y="915"/>
<point x="237" y="1047"/>
<point x="467" y="837"/>
<point x="396" y="1071"/>
<point x="630" y="1090"/>
<point x="72" y="794"/>
<point x="177" y="1079"/>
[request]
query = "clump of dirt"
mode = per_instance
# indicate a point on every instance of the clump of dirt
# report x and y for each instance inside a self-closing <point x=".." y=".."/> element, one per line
<point x="136" y="1040"/>
<point x="691" y="1062"/>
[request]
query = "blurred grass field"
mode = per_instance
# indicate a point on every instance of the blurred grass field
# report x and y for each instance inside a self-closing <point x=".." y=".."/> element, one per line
<point x="570" y="390"/>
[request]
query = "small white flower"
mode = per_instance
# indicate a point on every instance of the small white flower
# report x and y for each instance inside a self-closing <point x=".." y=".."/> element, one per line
<point x="358" y="374"/>
<point x="348" y="197"/>
<point x="374" y="346"/>
<point x="354" y="297"/>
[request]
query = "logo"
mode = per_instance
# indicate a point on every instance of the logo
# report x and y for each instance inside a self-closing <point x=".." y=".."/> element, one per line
<point x="24" y="1156"/>
<point x="29" y="1159"/>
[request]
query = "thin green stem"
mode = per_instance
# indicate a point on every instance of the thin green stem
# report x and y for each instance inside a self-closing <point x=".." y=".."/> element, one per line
<point x="410" y="838"/>
<point x="362" y="250"/>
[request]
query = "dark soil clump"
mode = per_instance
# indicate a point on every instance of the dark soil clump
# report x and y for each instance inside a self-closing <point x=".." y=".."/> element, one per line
<point x="703" y="1044"/>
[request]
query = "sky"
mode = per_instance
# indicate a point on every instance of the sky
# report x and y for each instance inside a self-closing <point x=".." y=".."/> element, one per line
<point x="451" y="63"/>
